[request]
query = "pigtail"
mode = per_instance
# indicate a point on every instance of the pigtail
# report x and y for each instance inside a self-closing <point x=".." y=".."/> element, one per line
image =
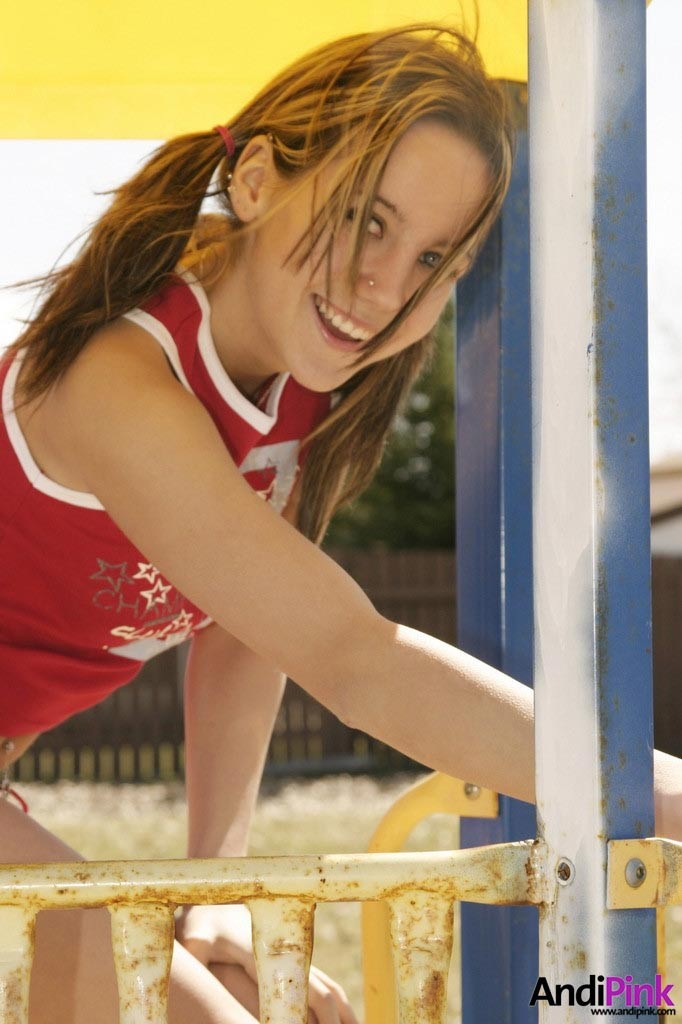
<point x="131" y="248"/>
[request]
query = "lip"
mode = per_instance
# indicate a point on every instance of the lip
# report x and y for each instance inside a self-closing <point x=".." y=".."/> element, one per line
<point x="339" y="344"/>
<point x="362" y="324"/>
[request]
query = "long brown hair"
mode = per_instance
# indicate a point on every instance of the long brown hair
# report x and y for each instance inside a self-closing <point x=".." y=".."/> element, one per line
<point x="349" y="102"/>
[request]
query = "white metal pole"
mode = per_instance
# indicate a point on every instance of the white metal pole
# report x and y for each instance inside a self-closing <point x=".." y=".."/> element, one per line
<point x="590" y="455"/>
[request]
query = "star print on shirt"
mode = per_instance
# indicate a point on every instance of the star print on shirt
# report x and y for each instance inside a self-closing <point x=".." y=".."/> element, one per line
<point x="183" y="621"/>
<point x="146" y="571"/>
<point x="114" y="575"/>
<point x="157" y="595"/>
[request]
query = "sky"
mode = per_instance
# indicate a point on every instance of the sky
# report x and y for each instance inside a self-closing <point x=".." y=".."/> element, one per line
<point x="52" y="190"/>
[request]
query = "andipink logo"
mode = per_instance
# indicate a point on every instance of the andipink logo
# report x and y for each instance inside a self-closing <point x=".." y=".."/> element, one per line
<point x="603" y="991"/>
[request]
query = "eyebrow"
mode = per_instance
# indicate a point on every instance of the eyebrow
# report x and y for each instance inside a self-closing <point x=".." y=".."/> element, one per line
<point x="390" y="206"/>
<point x="442" y="244"/>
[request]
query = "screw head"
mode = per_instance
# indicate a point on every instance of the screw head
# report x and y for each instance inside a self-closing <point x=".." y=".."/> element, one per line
<point x="565" y="871"/>
<point x="635" y="872"/>
<point x="472" y="791"/>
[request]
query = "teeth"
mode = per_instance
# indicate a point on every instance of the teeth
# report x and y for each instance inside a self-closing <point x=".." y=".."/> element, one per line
<point x="340" y="322"/>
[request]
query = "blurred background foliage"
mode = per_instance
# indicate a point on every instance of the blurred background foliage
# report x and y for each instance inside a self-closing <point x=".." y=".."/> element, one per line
<point x="410" y="503"/>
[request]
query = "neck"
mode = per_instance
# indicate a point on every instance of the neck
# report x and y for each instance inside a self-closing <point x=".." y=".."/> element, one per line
<point x="235" y="331"/>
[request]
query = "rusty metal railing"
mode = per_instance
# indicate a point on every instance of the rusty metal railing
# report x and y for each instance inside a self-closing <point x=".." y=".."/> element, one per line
<point x="281" y="894"/>
<point x="409" y="896"/>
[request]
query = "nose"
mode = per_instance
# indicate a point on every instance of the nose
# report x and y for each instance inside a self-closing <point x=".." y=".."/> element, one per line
<point x="386" y="280"/>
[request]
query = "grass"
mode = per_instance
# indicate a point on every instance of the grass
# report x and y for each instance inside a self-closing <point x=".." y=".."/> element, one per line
<point x="330" y="815"/>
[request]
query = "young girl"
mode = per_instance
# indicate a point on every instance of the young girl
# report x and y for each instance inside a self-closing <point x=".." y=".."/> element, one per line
<point x="193" y="400"/>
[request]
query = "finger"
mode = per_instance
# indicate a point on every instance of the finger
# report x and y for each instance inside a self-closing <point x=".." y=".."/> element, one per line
<point x="322" y="1005"/>
<point x="345" y="1011"/>
<point x="326" y="980"/>
<point x="329" y="1001"/>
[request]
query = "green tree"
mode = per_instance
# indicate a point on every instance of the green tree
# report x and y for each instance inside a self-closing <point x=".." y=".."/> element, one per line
<point x="410" y="503"/>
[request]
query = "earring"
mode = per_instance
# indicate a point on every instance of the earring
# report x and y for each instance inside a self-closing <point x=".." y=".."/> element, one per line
<point x="370" y="282"/>
<point x="229" y="195"/>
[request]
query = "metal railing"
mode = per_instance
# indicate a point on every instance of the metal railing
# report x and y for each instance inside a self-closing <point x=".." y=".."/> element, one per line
<point x="281" y="894"/>
<point x="407" y="918"/>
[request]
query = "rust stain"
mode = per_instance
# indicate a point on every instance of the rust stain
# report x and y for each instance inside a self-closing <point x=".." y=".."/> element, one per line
<point x="12" y="997"/>
<point x="433" y="993"/>
<point x="579" y="960"/>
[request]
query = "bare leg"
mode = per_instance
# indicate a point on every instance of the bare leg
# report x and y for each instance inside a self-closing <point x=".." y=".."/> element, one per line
<point x="73" y="980"/>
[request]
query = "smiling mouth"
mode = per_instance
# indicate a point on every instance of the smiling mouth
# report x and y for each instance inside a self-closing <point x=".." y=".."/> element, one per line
<point x="338" y="324"/>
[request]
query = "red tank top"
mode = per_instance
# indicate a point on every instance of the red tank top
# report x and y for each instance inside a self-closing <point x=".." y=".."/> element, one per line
<point x="80" y="606"/>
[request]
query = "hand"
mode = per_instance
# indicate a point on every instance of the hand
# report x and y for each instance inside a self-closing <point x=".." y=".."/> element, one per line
<point x="668" y="795"/>
<point x="222" y="935"/>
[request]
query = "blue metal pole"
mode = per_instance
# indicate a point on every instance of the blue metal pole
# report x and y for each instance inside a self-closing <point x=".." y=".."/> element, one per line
<point x="494" y="559"/>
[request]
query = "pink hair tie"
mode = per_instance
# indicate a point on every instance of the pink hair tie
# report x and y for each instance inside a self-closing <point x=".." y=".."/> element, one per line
<point x="227" y="139"/>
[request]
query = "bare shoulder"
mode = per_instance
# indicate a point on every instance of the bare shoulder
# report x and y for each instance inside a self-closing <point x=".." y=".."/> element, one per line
<point x="122" y="349"/>
<point x="117" y="386"/>
<point x="117" y="356"/>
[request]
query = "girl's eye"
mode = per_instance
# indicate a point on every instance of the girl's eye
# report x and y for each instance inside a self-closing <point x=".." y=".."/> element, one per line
<point x="430" y="259"/>
<point x="375" y="226"/>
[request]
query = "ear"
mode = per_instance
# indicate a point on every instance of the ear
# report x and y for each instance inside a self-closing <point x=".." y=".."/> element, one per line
<point x="254" y="179"/>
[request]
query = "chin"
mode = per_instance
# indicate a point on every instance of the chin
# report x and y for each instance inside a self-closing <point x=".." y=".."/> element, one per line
<point x="320" y="379"/>
<point x="320" y="383"/>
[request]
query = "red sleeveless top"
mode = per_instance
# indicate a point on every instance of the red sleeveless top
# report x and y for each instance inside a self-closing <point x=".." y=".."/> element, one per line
<point x="81" y="608"/>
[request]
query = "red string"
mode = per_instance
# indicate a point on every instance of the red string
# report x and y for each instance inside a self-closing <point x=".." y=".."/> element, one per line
<point x="19" y="799"/>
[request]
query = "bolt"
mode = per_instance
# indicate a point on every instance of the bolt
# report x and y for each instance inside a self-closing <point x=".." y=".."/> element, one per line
<point x="565" y="871"/>
<point x="635" y="873"/>
<point x="472" y="791"/>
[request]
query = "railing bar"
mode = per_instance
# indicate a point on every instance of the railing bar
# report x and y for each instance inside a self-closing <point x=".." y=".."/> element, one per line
<point x="422" y="934"/>
<point x="142" y="938"/>
<point x="282" y="944"/>
<point x="17" y="940"/>
<point x="504" y="874"/>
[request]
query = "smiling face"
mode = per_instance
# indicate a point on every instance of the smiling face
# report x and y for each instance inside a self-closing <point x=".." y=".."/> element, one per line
<point x="309" y="319"/>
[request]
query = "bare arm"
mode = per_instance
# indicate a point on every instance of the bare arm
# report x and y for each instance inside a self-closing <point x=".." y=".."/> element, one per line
<point x="231" y="702"/>
<point x="156" y="462"/>
<point x="152" y="455"/>
<point x="232" y="698"/>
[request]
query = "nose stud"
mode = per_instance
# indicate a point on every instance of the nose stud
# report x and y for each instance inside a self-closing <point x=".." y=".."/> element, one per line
<point x="370" y="282"/>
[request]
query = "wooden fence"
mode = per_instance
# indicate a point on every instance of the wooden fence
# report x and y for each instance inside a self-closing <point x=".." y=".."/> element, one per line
<point x="137" y="733"/>
<point x="667" y="646"/>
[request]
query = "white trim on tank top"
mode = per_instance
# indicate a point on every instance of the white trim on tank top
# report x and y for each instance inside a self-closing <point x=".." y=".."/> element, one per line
<point x="32" y="470"/>
<point x="262" y="420"/>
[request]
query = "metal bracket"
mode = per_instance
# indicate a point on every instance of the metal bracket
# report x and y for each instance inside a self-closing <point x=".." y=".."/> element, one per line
<point x="644" y="873"/>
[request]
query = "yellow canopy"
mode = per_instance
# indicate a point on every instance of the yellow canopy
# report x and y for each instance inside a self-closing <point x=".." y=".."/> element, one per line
<point x="150" y="69"/>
